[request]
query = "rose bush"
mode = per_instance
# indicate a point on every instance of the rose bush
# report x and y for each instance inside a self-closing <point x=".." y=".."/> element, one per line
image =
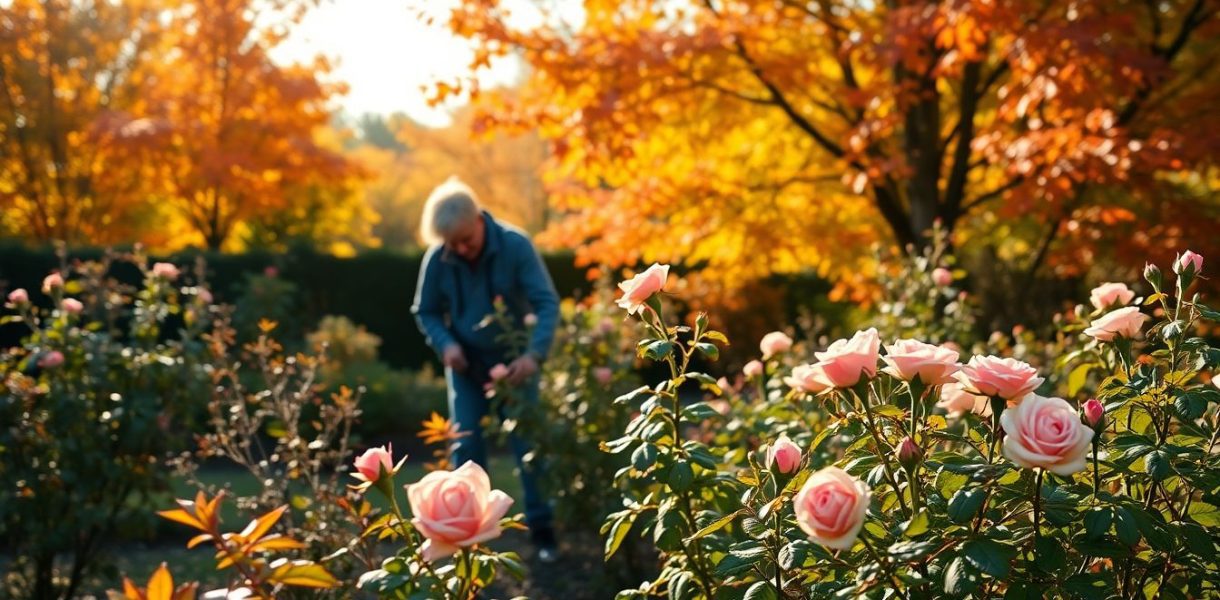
<point x="928" y="478"/>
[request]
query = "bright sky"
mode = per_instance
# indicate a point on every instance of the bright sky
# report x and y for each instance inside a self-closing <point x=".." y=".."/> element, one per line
<point x="385" y="52"/>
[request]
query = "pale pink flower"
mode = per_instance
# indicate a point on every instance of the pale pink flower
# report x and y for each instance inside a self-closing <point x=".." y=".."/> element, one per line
<point x="993" y="376"/>
<point x="52" y="281"/>
<point x="1122" y="323"/>
<point x="18" y="296"/>
<point x="71" y="306"/>
<point x="752" y="369"/>
<point x="603" y="375"/>
<point x="498" y="372"/>
<point x="831" y="507"/>
<point x="371" y="464"/>
<point x="638" y="289"/>
<point x="845" y="361"/>
<point x="774" y="343"/>
<point x="942" y="277"/>
<point x="1108" y="294"/>
<point x="784" y="455"/>
<point x="908" y="359"/>
<point x="808" y="378"/>
<point x="456" y="509"/>
<point x="164" y="270"/>
<point x="1046" y="433"/>
<point x="51" y="359"/>
<point x="1094" y="412"/>
<point x="1188" y="260"/>
<point x="957" y="401"/>
<point x="530" y="319"/>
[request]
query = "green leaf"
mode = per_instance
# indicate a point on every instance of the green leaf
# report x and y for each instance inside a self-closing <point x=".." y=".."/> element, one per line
<point x="644" y="457"/>
<point x="1157" y="464"/>
<point x="1090" y="586"/>
<point x="618" y="531"/>
<point x="681" y="476"/>
<point x="633" y="395"/>
<point x="715" y="526"/>
<point x="657" y="350"/>
<point x="960" y="578"/>
<point x="793" y="554"/>
<point x="1097" y="522"/>
<point x="965" y="504"/>
<point x="680" y="586"/>
<point x="1078" y="377"/>
<point x="1050" y="554"/>
<point x="708" y="350"/>
<point x="910" y="551"/>
<point x="1204" y="514"/>
<point x="716" y="336"/>
<point x="990" y="557"/>
<point x="917" y="525"/>
<point x="1125" y="527"/>
<point x="1197" y="540"/>
<point x="1191" y="405"/>
<point x="761" y="590"/>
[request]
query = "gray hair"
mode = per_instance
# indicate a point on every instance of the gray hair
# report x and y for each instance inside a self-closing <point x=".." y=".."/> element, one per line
<point x="449" y="205"/>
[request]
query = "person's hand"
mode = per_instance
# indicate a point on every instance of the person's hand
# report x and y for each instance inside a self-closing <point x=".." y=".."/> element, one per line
<point x="521" y="369"/>
<point x="454" y="358"/>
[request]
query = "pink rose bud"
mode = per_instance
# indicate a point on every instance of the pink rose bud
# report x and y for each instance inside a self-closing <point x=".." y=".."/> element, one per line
<point x="1046" y="433"/>
<point x="71" y="306"/>
<point x="723" y="383"/>
<point x="51" y="359"/>
<point x="831" y="507"/>
<point x="18" y="296"/>
<point x="1152" y="273"/>
<point x="603" y="375"/>
<point x="456" y="509"/>
<point x="846" y="361"/>
<point x="1188" y="262"/>
<point x="51" y="282"/>
<point x="752" y="369"/>
<point x="165" y="271"/>
<point x="530" y="320"/>
<point x="374" y="461"/>
<point x="638" y="289"/>
<point x="774" y="343"/>
<point x="1122" y="323"/>
<point x="909" y="454"/>
<point x="1109" y="294"/>
<point x="942" y="277"/>
<point x="784" y="455"/>
<point x="993" y="376"/>
<point x="204" y="295"/>
<point x="911" y="359"/>
<point x="498" y="372"/>
<point x="1094" y="413"/>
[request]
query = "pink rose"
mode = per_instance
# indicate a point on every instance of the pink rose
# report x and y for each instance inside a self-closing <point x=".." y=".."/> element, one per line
<point x="530" y="319"/>
<point x="942" y="277"/>
<point x="1124" y="323"/>
<point x="498" y="372"/>
<point x="957" y="401"/>
<point x="909" y="455"/>
<point x="1108" y="294"/>
<point x="52" y="281"/>
<point x="752" y="369"/>
<point x="908" y="359"/>
<point x="1188" y="260"/>
<point x="1094" y="412"/>
<point x="370" y="465"/>
<point x="638" y="289"/>
<point x="71" y="306"/>
<point x="993" y="376"/>
<point x="603" y="375"/>
<point x="204" y="295"/>
<point x="456" y="509"/>
<point x="51" y="359"/>
<point x="1045" y="433"/>
<point x="18" y="296"/>
<point x="165" y="271"/>
<point x="720" y="405"/>
<point x="784" y="455"/>
<point x="831" y="506"/>
<point x="773" y="343"/>
<point x="845" y="361"/>
<point x="808" y="378"/>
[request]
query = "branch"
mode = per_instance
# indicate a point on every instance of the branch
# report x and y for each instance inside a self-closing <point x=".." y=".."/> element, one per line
<point x="993" y="194"/>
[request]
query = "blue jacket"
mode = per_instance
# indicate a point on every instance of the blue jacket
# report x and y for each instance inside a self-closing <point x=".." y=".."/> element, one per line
<point x="453" y="296"/>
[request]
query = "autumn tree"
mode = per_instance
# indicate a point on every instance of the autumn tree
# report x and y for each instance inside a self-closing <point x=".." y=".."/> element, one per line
<point x="71" y="167"/>
<point x="762" y="137"/>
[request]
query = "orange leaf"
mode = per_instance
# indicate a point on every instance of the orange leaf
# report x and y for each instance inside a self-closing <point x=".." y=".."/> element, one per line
<point x="199" y="539"/>
<point x="161" y="585"/>
<point x="259" y="526"/>
<point x="275" y="542"/>
<point x="130" y="591"/>
<point x="183" y="517"/>
<point x="186" y="591"/>
<point x="301" y="573"/>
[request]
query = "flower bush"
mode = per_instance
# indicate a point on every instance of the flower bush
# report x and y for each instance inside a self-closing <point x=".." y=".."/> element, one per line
<point x="92" y="392"/>
<point x="921" y="477"/>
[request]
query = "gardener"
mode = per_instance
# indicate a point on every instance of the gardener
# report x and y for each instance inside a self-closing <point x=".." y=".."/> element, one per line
<point x="472" y="259"/>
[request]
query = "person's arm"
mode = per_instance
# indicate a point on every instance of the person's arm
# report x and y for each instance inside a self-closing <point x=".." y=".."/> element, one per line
<point x="429" y="307"/>
<point x="543" y="299"/>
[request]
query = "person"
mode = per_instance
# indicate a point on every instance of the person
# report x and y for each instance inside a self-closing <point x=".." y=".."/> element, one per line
<point x="471" y="261"/>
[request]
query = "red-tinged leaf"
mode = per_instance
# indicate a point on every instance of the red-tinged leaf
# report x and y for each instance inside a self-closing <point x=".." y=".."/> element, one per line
<point x="213" y="518"/>
<point x="181" y="516"/>
<point x="161" y="585"/>
<point x="130" y="591"/>
<point x="223" y="560"/>
<point x="261" y="525"/>
<point x="199" y="539"/>
<point x="187" y="591"/>
<point x="275" y="542"/>
<point x="301" y="573"/>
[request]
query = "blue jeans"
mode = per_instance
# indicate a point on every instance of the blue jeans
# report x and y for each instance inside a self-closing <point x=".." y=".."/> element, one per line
<point x="468" y="405"/>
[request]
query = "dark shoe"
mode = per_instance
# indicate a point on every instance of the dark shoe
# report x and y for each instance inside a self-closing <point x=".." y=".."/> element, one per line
<point x="544" y="543"/>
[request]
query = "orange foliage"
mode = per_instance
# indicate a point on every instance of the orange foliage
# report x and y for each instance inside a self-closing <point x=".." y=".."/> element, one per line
<point x="764" y="137"/>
